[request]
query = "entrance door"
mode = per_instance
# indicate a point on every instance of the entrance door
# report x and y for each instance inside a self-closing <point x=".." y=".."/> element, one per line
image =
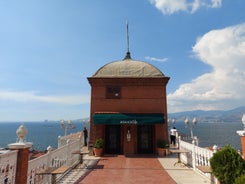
<point x="145" y="139"/>
<point x="112" y="142"/>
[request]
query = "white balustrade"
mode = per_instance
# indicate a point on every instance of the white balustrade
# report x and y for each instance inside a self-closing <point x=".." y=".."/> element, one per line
<point x="37" y="166"/>
<point x="59" y="157"/>
<point x="200" y="155"/>
<point x="8" y="164"/>
<point x="62" y="140"/>
<point x="196" y="156"/>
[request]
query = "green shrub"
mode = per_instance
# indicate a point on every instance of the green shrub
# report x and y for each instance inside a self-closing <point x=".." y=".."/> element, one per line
<point x="227" y="165"/>
<point x="240" y="179"/>
<point x="99" y="143"/>
<point x="161" y="143"/>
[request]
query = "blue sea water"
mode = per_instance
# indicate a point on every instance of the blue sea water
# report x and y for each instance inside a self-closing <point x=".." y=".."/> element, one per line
<point x="43" y="134"/>
<point x="218" y="133"/>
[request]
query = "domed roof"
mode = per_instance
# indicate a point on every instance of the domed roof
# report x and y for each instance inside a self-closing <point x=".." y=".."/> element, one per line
<point x="128" y="68"/>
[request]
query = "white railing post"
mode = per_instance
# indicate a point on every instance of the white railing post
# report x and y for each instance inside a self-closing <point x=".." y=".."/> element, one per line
<point x="193" y="154"/>
<point x="179" y="138"/>
<point x="67" y="151"/>
<point x="59" y="141"/>
<point x="49" y="149"/>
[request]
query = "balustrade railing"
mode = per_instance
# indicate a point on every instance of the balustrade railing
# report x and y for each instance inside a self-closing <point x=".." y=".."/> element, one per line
<point x="62" y="140"/>
<point x="196" y="155"/>
<point x="53" y="159"/>
<point x="8" y="164"/>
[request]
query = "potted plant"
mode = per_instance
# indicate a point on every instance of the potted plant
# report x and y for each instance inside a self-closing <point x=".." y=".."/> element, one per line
<point x="161" y="147"/>
<point x="98" y="147"/>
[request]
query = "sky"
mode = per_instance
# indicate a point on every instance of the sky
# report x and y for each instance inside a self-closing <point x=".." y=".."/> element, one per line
<point x="49" y="48"/>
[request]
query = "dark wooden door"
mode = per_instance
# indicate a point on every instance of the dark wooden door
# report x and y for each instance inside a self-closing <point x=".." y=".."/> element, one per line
<point x="113" y="139"/>
<point x="145" y="139"/>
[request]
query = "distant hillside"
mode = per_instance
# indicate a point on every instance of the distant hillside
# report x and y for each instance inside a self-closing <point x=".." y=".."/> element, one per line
<point x="234" y="115"/>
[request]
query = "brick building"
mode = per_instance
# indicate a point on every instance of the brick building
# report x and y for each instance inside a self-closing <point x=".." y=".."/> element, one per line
<point x="128" y="106"/>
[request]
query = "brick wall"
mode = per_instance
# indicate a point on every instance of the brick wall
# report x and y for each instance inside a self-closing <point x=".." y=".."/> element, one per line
<point x="243" y="146"/>
<point x="138" y="95"/>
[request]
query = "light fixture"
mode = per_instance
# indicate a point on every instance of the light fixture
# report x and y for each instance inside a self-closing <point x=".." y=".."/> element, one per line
<point x="66" y="127"/>
<point x="191" y="125"/>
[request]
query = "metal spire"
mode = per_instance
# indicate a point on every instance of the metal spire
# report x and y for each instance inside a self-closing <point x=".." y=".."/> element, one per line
<point x="127" y="36"/>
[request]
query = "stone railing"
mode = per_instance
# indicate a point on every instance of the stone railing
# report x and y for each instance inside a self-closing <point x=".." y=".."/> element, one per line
<point x="197" y="156"/>
<point x="63" y="156"/>
<point x="62" y="140"/>
<point x="8" y="164"/>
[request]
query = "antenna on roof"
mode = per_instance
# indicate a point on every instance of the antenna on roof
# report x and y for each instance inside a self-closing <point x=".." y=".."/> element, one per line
<point x="127" y="35"/>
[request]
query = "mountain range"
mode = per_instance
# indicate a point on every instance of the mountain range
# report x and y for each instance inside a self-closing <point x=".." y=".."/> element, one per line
<point x="233" y="115"/>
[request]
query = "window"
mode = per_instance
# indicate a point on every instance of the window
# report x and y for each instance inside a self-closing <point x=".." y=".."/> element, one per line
<point x="113" y="92"/>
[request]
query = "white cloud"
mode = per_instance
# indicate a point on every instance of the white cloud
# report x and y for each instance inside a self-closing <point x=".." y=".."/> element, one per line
<point x="169" y="6"/>
<point x="224" y="86"/>
<point x="30" y="96"/>
<point x="216" y="3"/>
<point x="161" y="60"/>
<point x="191" y="6"/>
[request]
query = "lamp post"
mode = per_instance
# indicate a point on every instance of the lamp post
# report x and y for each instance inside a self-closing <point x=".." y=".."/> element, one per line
<point x="171" y="120"/>
<point x="85" y="121"/>
<point x="66" y="126"/>
<point x="190" y="125"/>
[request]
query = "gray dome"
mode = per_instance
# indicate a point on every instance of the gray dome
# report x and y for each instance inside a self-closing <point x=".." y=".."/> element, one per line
<point x="128" y="68"/>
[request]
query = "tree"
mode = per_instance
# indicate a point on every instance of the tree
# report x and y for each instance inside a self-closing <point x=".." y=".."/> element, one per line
<point x="240" y="179"/>
<point x="227" y="165"/>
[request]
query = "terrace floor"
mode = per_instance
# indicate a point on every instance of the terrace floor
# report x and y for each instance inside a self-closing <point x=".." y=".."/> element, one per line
<point x="120" y="169"/>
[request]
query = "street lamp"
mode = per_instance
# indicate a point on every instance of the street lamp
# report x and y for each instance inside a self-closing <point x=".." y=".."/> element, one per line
<point x="85" y="121"/>
<point x="67" y="126"/>
<point x="171" y="121"/>
<point x="190" y="125"/>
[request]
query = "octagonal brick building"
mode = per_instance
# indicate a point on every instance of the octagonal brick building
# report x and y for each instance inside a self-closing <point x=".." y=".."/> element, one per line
<point x="128" y="107"/>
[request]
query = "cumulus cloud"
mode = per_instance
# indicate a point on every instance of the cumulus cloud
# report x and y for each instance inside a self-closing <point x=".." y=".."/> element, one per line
<point x="161" y="60"/>
<point x="30" y="96"/>
<point x="224" y="86"/>
<point x="191" y="6"/>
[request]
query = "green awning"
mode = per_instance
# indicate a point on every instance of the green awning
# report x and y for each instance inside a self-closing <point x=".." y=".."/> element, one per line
<point x="116" y="119"/>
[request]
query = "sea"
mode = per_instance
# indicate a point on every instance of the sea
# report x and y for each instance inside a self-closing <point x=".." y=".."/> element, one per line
<point x="44" y="134"/>
<point x="213" y="133"/>
<point x="41" y="134"/>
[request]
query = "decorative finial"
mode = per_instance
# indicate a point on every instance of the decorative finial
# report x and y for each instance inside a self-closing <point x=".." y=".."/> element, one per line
<point x="21" y="132"/>
<point x="127" y="35"/>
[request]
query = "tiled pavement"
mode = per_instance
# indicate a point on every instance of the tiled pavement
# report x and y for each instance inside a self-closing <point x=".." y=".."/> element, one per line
<point x="80" y="171"/>
<point x="182" y="174"/>
<point x="119" y="169"/>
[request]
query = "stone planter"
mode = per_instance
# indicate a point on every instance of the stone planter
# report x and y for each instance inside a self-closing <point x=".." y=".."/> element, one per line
<point x="98" y="152"/>
<point x="161" y="152"/>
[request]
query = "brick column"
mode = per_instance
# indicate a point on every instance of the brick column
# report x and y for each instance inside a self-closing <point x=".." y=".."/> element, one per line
<point x="22" y="166"/>
<point x="241" y="133"/>
<point x="243" y="146"/>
